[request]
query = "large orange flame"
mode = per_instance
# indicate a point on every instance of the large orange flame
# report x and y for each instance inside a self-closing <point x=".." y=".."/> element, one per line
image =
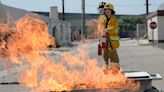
<point x="29" y="37"/>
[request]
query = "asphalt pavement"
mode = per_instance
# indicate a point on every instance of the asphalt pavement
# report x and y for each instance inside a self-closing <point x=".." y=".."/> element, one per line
<point x="133" y="57"/>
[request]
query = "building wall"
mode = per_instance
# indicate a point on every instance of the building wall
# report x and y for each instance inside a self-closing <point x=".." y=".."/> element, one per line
<point x="161" y="28"/>
<point x="150" y="32"/>
<point x="14" y="14"/>
<point x="63" y="37"/>
<point x="7" y="12"/>
<point x="2" y="13"/>
<point x="159" y="31"/>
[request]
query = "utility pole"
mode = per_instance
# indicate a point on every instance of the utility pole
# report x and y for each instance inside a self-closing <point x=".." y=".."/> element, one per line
<point x="83" y="18"/>
<point x="147" y="13"/>
<point x="63" y="15"/>
<point x="147" y="7"/>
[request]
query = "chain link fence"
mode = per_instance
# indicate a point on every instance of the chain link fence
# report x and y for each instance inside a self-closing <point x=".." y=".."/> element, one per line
<point x="141" y="32"/>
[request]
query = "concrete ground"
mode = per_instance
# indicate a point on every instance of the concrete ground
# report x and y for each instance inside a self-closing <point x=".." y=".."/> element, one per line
<point x="133" y="57"/>
<point x="142" y="58"/>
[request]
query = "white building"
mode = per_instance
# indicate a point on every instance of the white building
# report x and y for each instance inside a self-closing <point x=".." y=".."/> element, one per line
<point x="158" y="17"/>
<point x="59" y="29"/>
<point x="63" y="37"/>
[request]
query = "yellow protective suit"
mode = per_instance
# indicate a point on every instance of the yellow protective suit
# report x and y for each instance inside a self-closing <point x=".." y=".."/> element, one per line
<point x="111" y="26"/>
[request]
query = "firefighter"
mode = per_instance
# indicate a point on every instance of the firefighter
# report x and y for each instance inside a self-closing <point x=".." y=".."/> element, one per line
<point x="101" y="19"/>
<point x="110" y="26"/>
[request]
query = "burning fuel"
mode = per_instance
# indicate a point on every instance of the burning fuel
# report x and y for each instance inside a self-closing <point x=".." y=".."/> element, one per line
<point x="23" y="42"/>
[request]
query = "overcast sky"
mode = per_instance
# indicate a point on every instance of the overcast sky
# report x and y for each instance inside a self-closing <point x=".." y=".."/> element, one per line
<point x="121" y="6"/>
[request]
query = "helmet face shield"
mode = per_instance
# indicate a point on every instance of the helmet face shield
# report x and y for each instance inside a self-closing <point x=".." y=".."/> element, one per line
<point x="101" y="10"/>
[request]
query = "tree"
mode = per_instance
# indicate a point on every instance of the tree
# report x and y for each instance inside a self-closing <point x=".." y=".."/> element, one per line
<point x="128" y="24"/>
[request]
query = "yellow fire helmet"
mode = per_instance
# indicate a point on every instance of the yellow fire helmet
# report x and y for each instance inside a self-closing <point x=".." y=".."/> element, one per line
<point x="109" y="6"/>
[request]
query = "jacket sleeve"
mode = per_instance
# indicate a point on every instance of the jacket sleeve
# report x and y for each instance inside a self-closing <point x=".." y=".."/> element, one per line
<point x="101" y="25"/>
<point x="113" y="26"/>
<point x="98" y="23"/>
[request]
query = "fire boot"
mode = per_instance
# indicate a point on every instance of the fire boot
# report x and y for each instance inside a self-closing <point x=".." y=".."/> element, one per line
<point x="107" y="67"/>
<point x="113" y="68"/>
<point x="107" y="63"/>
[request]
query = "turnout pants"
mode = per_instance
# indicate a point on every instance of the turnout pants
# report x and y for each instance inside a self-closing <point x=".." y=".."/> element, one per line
<point x="110" y="57"/>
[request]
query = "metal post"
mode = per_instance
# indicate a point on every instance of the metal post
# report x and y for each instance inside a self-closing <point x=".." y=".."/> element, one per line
<point x="153" y="37"/>
<point x="137" y="33"/>
<point x="63" y="15"/>
<point x="83" y="18"/>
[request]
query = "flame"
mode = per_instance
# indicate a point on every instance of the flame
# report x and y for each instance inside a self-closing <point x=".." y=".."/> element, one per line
<point x="29" y="37"/>
<point x="92" y="29"/>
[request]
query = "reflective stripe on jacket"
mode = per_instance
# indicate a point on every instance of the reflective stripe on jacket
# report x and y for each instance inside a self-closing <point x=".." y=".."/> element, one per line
<point x="112" y="27"/>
